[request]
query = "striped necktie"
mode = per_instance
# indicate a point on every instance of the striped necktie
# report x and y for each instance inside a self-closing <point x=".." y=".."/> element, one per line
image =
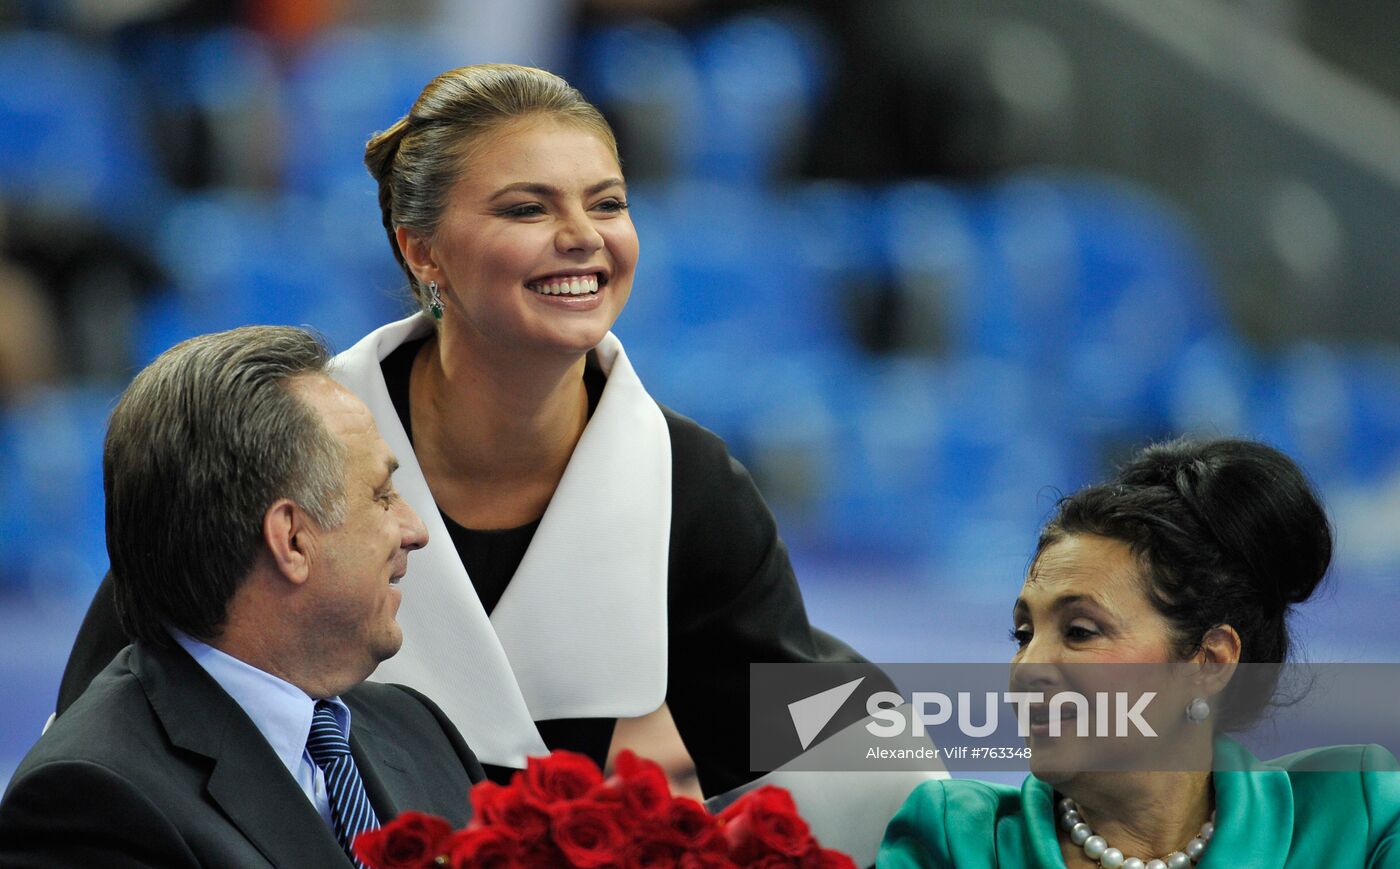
<point x="350" y="808"/>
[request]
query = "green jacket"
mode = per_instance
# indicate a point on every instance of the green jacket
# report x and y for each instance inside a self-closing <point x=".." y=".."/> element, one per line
<point x="1269" y="815"/>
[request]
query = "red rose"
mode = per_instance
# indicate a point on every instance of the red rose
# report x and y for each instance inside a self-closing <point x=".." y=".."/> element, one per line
<point x="773" y="796"/>
<point x="482" y="848"/>
<point x="609" y="791"/>
<point x="766" y="822"/>
<point x="642" y="785"/>
<point x="563" y="775"/>
<point x="409" y="841"/>
<point x="542" y="854"/>
<point x="648" y="853"/>
<point x="587" y="832"/>
<point x="825" y="858"/>
<point x="484" y="795"/>
<point x="687" y="824"/>
<point x="514" y="808"/>
<point x="705" y="860"/>
<point x="629" y="765"/>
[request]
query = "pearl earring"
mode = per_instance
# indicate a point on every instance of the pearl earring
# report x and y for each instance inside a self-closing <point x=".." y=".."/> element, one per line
<point x="1198" y="710"/>
<point x="434" y="300"/>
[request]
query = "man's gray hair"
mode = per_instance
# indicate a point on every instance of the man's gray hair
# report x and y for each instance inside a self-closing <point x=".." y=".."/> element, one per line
<point x="202" y="442"/>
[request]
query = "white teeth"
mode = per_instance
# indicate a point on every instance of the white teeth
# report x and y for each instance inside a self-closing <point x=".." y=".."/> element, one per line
<point x="569" y="286"/>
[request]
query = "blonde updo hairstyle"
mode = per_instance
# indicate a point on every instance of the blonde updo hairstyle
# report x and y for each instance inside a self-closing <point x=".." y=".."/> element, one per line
<point x="418" y="159"/>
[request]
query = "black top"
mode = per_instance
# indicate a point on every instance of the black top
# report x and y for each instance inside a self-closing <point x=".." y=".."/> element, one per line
<point x="732" y="599"/>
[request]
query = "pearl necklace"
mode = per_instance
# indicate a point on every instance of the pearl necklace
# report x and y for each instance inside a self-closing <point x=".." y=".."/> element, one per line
<point x="1096" y="847"/>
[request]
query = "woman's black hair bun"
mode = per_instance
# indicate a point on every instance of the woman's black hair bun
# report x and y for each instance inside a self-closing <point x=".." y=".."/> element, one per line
<point x="1255" y="502"/>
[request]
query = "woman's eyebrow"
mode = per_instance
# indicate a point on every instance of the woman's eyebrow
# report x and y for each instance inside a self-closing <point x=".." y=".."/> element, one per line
<point x="540" y="189"/>
<point x="1089" y="600"/>
<point x="1060" y="603"/>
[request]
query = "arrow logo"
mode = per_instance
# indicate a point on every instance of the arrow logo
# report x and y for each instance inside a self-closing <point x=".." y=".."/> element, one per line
<point x="811" y="714"/>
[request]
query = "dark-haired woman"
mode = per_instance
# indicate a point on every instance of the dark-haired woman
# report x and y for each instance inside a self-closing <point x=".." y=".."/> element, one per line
<point x="1194" y="553"/>
<point x="591" y="554"/>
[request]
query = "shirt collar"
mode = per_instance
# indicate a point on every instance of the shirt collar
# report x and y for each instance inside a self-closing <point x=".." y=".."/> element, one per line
<point x="280" y="710"/>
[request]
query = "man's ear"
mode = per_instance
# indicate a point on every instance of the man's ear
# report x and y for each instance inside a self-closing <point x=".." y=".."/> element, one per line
<point x="417" y="250"/>
<point x="1218" y="654"/>
<point x="290" y="537"/>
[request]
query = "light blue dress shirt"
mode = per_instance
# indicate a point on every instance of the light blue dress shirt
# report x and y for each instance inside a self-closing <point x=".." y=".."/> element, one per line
<point x="280" y="710"/>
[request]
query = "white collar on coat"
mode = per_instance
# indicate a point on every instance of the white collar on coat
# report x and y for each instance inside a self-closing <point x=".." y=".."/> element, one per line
<point x="581" y="630"/>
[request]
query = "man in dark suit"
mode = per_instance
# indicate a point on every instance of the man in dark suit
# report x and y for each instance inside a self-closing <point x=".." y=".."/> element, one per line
<point x="252" y="520"/>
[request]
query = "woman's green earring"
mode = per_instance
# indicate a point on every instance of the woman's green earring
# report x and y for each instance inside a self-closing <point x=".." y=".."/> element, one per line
<point x="434" y="300"/>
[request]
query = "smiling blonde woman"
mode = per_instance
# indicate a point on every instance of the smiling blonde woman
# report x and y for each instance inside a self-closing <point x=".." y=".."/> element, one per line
<point x="591" y="554"/>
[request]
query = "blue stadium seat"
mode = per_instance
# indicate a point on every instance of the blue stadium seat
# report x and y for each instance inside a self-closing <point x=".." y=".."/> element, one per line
<point x="346" y="85"/>
<point x="1373" y="376"/>
<point x="1334" y="409"/>
<point x="887" y="498"/>
<point x="229" y="79"/>
<point x="1143" y="298"/>
<point x="763" y="79"/>
<point x="53" y="541"/>
<point x="736" y="270"/>
<point x="643" y="75"/>
<point x="225" y="254"/>
<point x="239" y="259"/>
<point x="931" y="245"/>
<point x="1301" y="404"/>
<point x="1034" y="267"/>
<point x="71" y="135"/>
<point x="836" y="227"/>
<point x="1208" y="389"/>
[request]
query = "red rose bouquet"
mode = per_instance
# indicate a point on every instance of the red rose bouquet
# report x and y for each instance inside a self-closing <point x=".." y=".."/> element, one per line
<point x="560" y="812"/>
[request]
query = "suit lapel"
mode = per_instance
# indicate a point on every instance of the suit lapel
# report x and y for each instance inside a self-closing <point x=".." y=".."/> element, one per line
<point x="1253" y="806"/>
<point x="384" y="772"/>
<point x="247" y="781"/>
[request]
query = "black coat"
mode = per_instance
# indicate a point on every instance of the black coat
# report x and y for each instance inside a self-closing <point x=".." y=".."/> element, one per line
<point x="155" y="765"/>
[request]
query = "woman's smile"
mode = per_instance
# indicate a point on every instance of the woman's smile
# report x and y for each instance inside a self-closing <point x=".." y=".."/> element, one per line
<point x="569" y="283"/>
<point x="571" y="291"/>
